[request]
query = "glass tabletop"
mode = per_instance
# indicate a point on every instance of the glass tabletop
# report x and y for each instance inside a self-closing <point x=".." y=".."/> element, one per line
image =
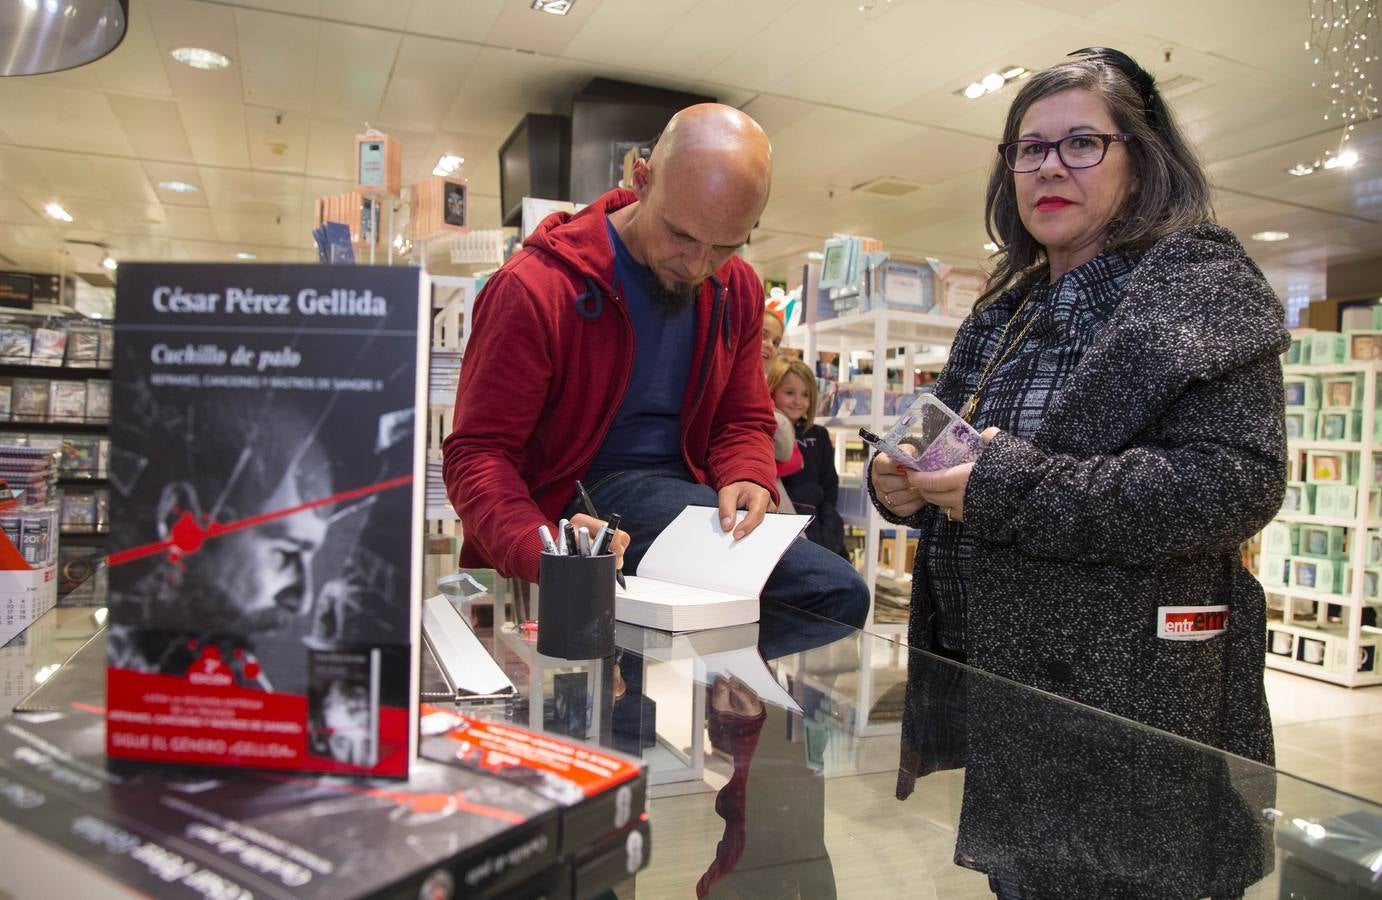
<point x="800" y="758"/>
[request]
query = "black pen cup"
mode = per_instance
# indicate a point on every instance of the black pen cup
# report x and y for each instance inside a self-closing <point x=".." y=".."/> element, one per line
<point x="576" y="606"/>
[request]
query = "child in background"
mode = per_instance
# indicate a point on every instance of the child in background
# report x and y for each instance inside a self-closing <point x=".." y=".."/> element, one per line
<point x="785" y="451"/>
<point x="815" y="489"/>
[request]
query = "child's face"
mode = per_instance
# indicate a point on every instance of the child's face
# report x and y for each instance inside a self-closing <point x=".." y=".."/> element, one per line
<point x="792" y="397"/>
<point x="772" y="337"/>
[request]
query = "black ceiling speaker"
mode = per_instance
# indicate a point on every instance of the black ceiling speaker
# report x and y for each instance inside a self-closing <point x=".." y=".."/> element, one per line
<point x="38" y="36"/>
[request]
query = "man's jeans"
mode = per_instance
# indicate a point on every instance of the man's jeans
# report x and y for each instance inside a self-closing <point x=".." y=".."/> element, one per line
<point x="808" y="577"/>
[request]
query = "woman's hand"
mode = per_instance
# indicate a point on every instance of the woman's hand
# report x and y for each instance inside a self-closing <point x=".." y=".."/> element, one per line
<point x="890" y="485"/>
<point x="946" y="488"/>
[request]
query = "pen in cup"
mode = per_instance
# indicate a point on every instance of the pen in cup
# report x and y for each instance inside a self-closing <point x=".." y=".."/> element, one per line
<point x="583" y="541"/>
<point x="548" y="544"/>
<point x="562" y="527"/>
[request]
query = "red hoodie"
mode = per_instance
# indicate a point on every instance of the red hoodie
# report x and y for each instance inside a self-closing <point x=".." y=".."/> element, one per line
<point x="547" y="366"/>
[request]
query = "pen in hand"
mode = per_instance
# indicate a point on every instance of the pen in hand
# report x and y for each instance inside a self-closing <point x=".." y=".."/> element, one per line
<point x="605" y="536"/>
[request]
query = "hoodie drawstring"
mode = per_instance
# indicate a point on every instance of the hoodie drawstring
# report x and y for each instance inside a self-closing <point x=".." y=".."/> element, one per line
<point x="590" y="304"/>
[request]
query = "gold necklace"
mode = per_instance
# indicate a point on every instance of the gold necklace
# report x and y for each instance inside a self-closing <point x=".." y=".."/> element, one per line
<point x="972" y="404"/>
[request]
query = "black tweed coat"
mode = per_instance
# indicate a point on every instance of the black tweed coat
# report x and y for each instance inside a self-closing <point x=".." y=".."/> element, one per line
<point x="1162" y="453"/>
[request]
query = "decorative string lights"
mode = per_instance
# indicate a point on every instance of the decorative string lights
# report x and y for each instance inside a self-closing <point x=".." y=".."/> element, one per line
<point x="1343" y="39"/>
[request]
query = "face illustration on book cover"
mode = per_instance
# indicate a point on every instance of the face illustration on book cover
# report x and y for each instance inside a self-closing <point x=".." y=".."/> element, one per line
<point x="260" y="605"/>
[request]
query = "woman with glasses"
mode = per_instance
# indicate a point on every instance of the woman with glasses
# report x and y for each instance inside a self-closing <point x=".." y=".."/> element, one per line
<point x="1123" y="370"/>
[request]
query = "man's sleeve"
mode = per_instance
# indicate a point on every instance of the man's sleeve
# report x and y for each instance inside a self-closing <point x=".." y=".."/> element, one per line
<point x="741" y="433"/>
<point x="504" y="381"/>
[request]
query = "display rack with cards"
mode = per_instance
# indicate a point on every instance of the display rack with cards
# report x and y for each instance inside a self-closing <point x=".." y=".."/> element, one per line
<point x="1320" y="560"/>
<point x="29" y="546"/>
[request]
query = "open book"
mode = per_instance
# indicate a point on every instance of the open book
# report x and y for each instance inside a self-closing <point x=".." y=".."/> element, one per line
<point x="695" y="575"/>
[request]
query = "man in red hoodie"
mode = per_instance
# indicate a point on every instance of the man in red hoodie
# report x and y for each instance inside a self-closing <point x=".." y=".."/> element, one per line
<point x="622" y="346"/>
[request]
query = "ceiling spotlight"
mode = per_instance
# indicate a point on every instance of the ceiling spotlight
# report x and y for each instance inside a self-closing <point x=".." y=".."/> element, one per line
<point x="449" y="164"/>
<point x="108" y="262"/>
<point x="243" y="255"/>
<point x="990" y="246"/>
<point x="1300" y="169"/>
<point x="55" y="211"/>
<point x="815" y="255"/>
<point x="555" y="7"/>
<point x="200" y="58"/>
<point x="993" y="82"/>
<point x="179" y="187"/>
<point x="1271" y="236"/>
<point x="1345" y="160"/>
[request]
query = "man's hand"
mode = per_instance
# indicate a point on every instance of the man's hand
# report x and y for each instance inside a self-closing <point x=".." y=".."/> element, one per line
<point x="744" y="495"/>
<point x="617" y="546"/>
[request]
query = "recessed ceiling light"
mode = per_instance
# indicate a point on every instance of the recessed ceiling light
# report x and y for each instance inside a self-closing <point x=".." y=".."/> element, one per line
<point x="1013" y="72"/>
<point x="555" y="7"/>
<point x="1300" y="169"/>
<point x="179" y="187"/>
<point x="108" y="263"/>
<point x="991" y="247"/>
<point x="815" y="255"/>
<point x="55" y="211"/>
<point x="95" y="315"/>
<point x="449" y="164"/>
<point x="974" y="90"/>
<point x="200" y="58"/>
<point x="243" y="255"/>
<point x="992" y="82"/>
<point x="1270" y="236"/>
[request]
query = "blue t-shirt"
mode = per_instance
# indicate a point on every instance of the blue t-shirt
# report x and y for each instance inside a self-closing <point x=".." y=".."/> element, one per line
<point x="646" y="433"/>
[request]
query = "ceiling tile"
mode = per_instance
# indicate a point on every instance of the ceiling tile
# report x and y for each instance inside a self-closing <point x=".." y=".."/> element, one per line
<point x="277" y="140"/>
<point x="61" y="118"/>
<point x="373" y="13"/>
<point x="152" y="126"/>
<point x="622" y="30"/>
<point x="425" y="80"/>
<point x="505" y="85"/>
<point x="470" y="21"/>
<point x="353" y="72"/>
<point x="216" y="132"/>
<point x="235" y="190"/>
<point x="278" y="56"/>
<point x="331" y="149"/>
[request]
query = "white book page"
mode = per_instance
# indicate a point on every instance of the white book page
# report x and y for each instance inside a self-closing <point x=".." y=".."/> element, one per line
<point x="748" y="666"/>
<point x="665" y="593"/>
<point x="694" y="550"/>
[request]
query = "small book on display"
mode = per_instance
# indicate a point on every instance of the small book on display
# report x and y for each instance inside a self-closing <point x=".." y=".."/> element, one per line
<point x="696" y="575"/>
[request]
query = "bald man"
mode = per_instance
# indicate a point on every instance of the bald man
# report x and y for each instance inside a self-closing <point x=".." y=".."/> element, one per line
<point x="622" y="347"/>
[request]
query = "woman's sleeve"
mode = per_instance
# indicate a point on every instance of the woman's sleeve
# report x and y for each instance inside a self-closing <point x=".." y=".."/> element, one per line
<point x="1212" y="475"/>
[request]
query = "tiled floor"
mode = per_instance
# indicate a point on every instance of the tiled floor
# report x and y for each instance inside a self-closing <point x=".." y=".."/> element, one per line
<point x="1328" y="734"/>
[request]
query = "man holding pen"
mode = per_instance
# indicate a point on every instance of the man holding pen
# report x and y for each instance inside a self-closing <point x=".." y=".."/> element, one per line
<point x="621" y="347"/>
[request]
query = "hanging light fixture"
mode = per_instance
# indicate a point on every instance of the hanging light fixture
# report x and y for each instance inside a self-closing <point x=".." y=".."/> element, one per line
<point x="1343" y="42"/>
<point x="38" y="36"/>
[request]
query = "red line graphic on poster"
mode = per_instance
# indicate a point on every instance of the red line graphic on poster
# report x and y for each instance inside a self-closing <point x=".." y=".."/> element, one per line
<point x="188" y="535"/>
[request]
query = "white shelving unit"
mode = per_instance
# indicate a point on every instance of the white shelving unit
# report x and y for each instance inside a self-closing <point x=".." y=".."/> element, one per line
<point x="877" y="331"/>
<point x="1343" y="643"/>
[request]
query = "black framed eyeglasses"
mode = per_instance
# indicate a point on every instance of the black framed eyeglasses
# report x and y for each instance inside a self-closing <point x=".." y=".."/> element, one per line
<point x="1075" y="151"/>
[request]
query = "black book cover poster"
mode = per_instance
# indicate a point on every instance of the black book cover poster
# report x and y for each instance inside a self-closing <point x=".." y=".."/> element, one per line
<point x="266" y="515"/>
